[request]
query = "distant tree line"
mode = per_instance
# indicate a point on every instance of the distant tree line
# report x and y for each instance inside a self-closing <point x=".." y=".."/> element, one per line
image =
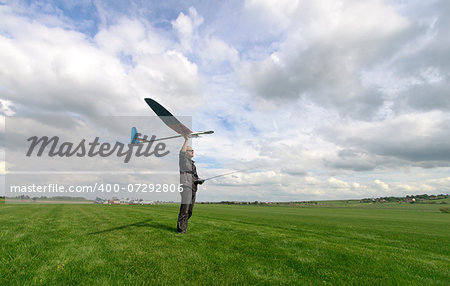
<point x="57" y="198"/>
<point x="262" y="203"/>
<point x="408" y="199"/>
<point x="429" y="199"/>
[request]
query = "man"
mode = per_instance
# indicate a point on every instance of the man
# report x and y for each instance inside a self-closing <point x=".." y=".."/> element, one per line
<point x="189" y="181"/>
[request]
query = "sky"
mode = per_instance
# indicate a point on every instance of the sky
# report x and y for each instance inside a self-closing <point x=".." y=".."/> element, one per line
<point x="323" y="99"/>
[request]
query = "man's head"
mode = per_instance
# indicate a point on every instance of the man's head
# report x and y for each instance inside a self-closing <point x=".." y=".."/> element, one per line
<point x="189" y="152"/>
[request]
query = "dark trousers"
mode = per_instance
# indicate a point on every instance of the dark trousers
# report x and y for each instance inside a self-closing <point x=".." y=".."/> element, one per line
<point x="187" y="205"/>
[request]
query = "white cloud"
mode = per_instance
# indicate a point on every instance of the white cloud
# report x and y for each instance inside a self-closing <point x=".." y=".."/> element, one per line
<point x="186" y="26"/>
<point x="273" y="14"/>
<point x="209" y="49"/>
<point x="335" y="183"/>
<point x="131" y="37"/>
<point x="216" y="51"/>
<point x="6" y="107"/>
<point x="382" y="186"/>
<point x="50" y="69"/>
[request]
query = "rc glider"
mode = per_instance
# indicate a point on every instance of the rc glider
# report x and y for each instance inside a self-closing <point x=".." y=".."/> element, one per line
<point x="171" y="121"/>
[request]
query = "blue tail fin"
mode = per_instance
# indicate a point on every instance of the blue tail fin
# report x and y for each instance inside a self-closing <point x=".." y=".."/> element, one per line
<point x="134" y="135"/>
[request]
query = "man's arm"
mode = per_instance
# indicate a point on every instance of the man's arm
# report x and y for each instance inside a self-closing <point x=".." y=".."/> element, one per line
<point x="184" y="147"/>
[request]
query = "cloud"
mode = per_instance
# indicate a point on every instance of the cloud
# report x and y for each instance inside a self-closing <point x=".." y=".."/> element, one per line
<point x="416" y="75"/>
<point x="382" y="186"/>
<point x="210" y="50"/>
<point x="6" y="107"/>
<point x="420" y="139"/>
<point x="351" y="159"/>
<point x="271" y="14"/>
<point x="186" y="26"/>
<point x="52" y="69"/>
<point x="335" y="183"/>
<point x="327" y="45"/>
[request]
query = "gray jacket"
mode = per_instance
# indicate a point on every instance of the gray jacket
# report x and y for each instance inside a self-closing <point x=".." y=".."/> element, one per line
<point x="188" y="172"/>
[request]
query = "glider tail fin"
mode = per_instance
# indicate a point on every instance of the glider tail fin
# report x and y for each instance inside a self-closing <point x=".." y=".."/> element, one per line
<point x="134" y="135"/>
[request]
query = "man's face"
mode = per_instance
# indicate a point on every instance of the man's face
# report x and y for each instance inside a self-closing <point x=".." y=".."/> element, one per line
<point x="190" y="152"/>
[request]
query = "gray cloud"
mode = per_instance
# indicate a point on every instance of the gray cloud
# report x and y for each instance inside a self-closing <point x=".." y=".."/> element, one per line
<point x="418" y="140"/>
<point x="428" y="72"/>
<point x="351" y="159"/>
<point x="323" y="57"/>
<point x="331" y="55"/>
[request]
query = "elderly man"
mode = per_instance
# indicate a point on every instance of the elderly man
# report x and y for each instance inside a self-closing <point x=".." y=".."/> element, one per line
<point x="189" y="181"/>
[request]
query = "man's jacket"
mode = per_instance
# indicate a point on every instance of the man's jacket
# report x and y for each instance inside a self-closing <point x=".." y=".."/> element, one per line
<point x="188" y="172"/>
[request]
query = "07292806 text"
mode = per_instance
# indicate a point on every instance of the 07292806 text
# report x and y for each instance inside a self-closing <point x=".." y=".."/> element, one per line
<point x="141" y="188"/>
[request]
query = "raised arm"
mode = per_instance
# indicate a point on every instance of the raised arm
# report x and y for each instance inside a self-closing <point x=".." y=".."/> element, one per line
<point x="185" y="145"/>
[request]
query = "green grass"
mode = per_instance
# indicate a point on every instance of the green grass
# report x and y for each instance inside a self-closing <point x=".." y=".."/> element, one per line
<point x="344" y="244"/>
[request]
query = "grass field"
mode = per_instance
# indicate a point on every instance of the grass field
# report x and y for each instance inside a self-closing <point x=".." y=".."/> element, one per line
<point x="327" y="244"/>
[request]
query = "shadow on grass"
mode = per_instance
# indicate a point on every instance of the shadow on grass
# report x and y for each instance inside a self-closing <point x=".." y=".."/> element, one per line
<point x="143" y="223"/>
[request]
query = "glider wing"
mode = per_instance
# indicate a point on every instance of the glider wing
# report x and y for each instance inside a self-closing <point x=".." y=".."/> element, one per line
<point x="168" y="118"/>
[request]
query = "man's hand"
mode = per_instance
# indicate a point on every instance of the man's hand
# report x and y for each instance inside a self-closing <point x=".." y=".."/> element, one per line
<point x="199" y="181"/>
